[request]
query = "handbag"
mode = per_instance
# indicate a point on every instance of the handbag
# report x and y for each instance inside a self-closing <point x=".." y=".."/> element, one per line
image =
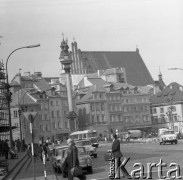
<point x="76" y="171"/>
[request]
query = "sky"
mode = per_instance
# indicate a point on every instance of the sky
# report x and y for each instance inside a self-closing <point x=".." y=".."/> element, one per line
<point x="154" y="26"/>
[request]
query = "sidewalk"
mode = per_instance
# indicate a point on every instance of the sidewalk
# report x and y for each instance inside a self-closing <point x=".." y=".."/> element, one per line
<point x="12" y="163"/>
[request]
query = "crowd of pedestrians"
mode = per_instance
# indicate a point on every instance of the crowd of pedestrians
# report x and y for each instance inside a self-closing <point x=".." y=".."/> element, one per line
<point x="5" y="149"/>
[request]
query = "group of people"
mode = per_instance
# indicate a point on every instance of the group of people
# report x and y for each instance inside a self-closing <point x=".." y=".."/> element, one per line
<point x="4" y="148"/>
<point x="72" y="160"/>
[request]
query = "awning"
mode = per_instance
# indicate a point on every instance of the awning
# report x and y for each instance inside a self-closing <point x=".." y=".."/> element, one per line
<point x="6" y="128"/>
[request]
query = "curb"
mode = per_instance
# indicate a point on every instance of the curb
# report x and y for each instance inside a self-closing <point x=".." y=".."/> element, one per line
<point x="13" y="168"/>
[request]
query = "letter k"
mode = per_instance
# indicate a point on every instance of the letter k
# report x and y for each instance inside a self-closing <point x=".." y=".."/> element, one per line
<point x="122" y="166"/>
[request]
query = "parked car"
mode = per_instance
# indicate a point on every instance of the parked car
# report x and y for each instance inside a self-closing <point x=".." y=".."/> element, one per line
<point x="168" y="137"/>
<point x="94" y="142"/>
<point x="85" y="160"/>
<point x="56" y="157"/>
<point x="89" y="148"/>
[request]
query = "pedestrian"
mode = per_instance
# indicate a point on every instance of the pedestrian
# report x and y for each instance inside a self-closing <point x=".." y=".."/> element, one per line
<point x="116" y="153"/>
<point x="18" y="145"/>
<point x="6" y="149"/>
<point x="72" y="160"/>
<point x="44" y="151"/>
<point x="29" y="150"/>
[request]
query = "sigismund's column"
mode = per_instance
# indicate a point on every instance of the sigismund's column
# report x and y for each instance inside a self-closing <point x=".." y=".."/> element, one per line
<point x="66" y="62"/>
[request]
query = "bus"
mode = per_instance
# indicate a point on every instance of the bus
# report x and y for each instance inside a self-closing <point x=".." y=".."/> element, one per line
<point x="85" y="135"/>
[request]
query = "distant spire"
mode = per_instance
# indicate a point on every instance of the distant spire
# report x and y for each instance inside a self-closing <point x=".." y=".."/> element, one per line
<point x="74" y="39"/>
<point x="160" y="74"/>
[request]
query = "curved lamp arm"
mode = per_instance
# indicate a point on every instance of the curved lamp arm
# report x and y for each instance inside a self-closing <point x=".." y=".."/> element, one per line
<point x="31" y="46"/>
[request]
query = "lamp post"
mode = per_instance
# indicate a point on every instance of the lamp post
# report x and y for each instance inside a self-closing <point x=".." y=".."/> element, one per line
<point x="66" y="62"/>
<point x="8" y="90"/>
<point x="170" y="99"/>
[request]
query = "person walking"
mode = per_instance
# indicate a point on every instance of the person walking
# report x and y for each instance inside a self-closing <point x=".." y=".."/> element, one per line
<point x="6" y="149"/>
<point x="116" y="153"/>
<point x="72" y="159"/>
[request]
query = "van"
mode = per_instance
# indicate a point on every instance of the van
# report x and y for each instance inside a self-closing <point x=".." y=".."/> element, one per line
<point x="134" y="134"/>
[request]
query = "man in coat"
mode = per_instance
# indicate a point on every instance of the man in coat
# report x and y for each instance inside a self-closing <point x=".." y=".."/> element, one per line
<point x="116" y="153"/>
<point x="72" y="159"/>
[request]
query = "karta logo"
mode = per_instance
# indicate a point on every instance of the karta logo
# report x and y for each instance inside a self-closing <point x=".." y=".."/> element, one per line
<point x="139" y="172"/>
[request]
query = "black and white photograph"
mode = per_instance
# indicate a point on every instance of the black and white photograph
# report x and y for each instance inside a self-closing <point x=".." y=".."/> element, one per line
<point x="91" y="89"/>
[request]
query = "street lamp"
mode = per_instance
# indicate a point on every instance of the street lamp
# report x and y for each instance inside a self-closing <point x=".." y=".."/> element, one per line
<point x="8" y="90"/>
<point x="175" y="69"/>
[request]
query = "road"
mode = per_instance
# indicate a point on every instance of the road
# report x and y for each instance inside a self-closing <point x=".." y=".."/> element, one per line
<point x="143" y="153"/>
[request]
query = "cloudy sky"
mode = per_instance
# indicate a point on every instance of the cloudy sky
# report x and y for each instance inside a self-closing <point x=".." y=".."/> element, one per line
<point x="154" y="26"/>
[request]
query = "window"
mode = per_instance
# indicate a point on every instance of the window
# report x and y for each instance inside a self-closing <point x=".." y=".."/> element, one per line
<point x="98" y="118"/>
<point x="161" y="110"/>
<point x="52" y="114"/>
<point x="137" y="118"/>
<point x="154" y="111"/>
<point x="119" y="117"/>
<point x="66" y="125"/>
<point x="103" y="119"/>
<point x="127" y="101"/>
<point x="15" y="113"/>
<point x="102" y="106"/>
<point x="16" y="124"/>
<point x="93" y="118"/>
<point x="46" y="117"/>
<point x="155" y="120"/>
<point x="58" y="114"/>
<point x="175" y="118"/>
<point x="92" y="107"/>
<point x="51" y="103"/>
<point x="145" y="118"/>
<point x="57" y="103"/>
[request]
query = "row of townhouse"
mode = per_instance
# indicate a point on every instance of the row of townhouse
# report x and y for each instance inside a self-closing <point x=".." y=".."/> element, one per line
<point x="110" y="107"/>
<point x="113" y="106"/>
<point x="45" y="96"/>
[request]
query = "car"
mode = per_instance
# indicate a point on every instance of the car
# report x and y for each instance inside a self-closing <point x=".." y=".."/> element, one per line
<point x="85" y="160"/>
<point x="89" y="148"/>
<point x="168" y="137"/>
<point x="94" y="142"/>
<point x="56" y="157"/>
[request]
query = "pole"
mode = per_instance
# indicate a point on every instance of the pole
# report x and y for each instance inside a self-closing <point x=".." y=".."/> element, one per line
<point x="20" y="123"/>
<point x="32" y="146"/>
<point x="8" y="90"/>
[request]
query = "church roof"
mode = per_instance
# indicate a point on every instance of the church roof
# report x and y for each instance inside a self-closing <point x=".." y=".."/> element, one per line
<point x="136" y="71"/>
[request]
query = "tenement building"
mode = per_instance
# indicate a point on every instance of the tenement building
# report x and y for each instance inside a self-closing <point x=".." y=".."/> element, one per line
<point x="45" y="96"/>
<point x="167" y="108"/>
<point x="108" y="105"/>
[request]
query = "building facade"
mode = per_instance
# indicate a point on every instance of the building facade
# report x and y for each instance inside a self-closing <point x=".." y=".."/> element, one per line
<point x="110" y="107"/>
<point x="167" y="108"/>
<point x="49" y="98"/>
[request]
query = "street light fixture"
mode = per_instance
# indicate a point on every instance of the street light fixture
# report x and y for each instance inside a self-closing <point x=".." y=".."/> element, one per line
<point x="8" y="90"/>
<point x="175" y="69"/>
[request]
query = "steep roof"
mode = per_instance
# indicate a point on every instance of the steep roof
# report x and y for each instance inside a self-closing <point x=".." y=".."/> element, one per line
<point x="42" y="84"/>
<point x="172" y="93"/>
<point x="98" y="82"/>
<point x="136" y="71"/>
<point x="23" y="97"/>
